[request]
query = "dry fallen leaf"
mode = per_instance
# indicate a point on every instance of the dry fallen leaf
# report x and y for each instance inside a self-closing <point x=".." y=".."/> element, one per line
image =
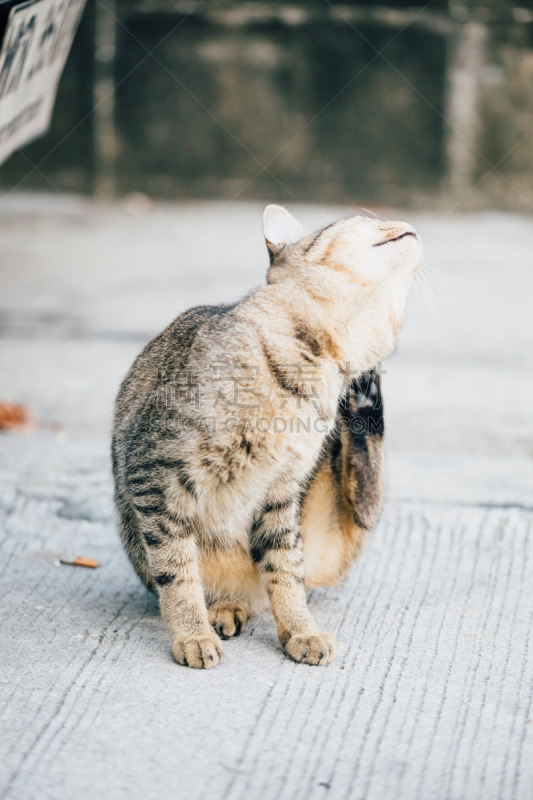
<point x="14" y="417"/>
<point x="81" y="561"/>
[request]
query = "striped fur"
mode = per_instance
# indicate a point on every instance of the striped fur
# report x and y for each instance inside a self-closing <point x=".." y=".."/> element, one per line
<point x="248" y="439"/>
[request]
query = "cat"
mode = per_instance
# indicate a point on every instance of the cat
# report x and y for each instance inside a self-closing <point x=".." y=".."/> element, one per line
<point x="248" y="438"/>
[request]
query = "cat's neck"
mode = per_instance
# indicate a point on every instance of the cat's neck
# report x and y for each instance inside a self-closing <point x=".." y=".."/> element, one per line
<point x="329" y="318"/>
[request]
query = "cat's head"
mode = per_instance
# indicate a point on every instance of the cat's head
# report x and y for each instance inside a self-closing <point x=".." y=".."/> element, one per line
<point x="369" y="262"/>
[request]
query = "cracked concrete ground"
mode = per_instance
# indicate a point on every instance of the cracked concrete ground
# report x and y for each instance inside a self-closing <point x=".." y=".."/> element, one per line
<point x="431" y="694"/>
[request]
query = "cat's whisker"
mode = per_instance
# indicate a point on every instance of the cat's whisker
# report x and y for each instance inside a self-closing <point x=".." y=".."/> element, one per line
<point x="441" y="295"/>
<point x="419" y="319"/>
<point x="425" y="281"/>
<point x="443" y="299"/>
<point x="433" y="307"/>
<point x="368" y="211"/>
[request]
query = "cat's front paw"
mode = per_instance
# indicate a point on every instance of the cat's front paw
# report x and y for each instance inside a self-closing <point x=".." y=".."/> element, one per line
<point x="317" y="648"/>
<point x="200" y="652"/>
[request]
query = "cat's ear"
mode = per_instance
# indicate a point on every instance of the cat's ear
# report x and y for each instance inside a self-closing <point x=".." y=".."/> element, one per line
<point x="280" y="229"/>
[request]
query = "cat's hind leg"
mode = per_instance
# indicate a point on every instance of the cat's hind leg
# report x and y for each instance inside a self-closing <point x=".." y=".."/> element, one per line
<point x="232" y="586"/>
<point x="228" y="618"/>
<point x="132" y="539"/>
<point x="345" y="497"/>
<point x="359" y="466"/>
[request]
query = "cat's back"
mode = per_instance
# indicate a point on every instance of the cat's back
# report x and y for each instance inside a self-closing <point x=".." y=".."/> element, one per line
<point x="165" y="354"/>
<point x="143" y="393"/>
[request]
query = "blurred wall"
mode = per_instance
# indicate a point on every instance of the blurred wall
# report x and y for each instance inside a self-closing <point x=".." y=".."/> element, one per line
<point x="405" y="102"/>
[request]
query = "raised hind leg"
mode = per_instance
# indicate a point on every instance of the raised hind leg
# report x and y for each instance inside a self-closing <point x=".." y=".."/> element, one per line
<point x="359" y="465"/>
<point x="345" y="497"/>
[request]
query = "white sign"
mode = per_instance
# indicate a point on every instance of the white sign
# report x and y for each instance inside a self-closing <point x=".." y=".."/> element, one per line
<point x="36" y="44"/>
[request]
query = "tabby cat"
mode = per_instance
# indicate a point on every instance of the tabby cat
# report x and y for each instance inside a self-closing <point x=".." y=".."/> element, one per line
<point x="248" y="438"/>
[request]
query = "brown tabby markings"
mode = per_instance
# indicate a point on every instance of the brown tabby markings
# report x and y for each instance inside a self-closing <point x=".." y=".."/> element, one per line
<point x="228" y="504"/>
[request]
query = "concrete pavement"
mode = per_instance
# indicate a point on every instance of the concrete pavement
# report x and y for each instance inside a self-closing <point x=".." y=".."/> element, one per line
<point x="431" y="694"/>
